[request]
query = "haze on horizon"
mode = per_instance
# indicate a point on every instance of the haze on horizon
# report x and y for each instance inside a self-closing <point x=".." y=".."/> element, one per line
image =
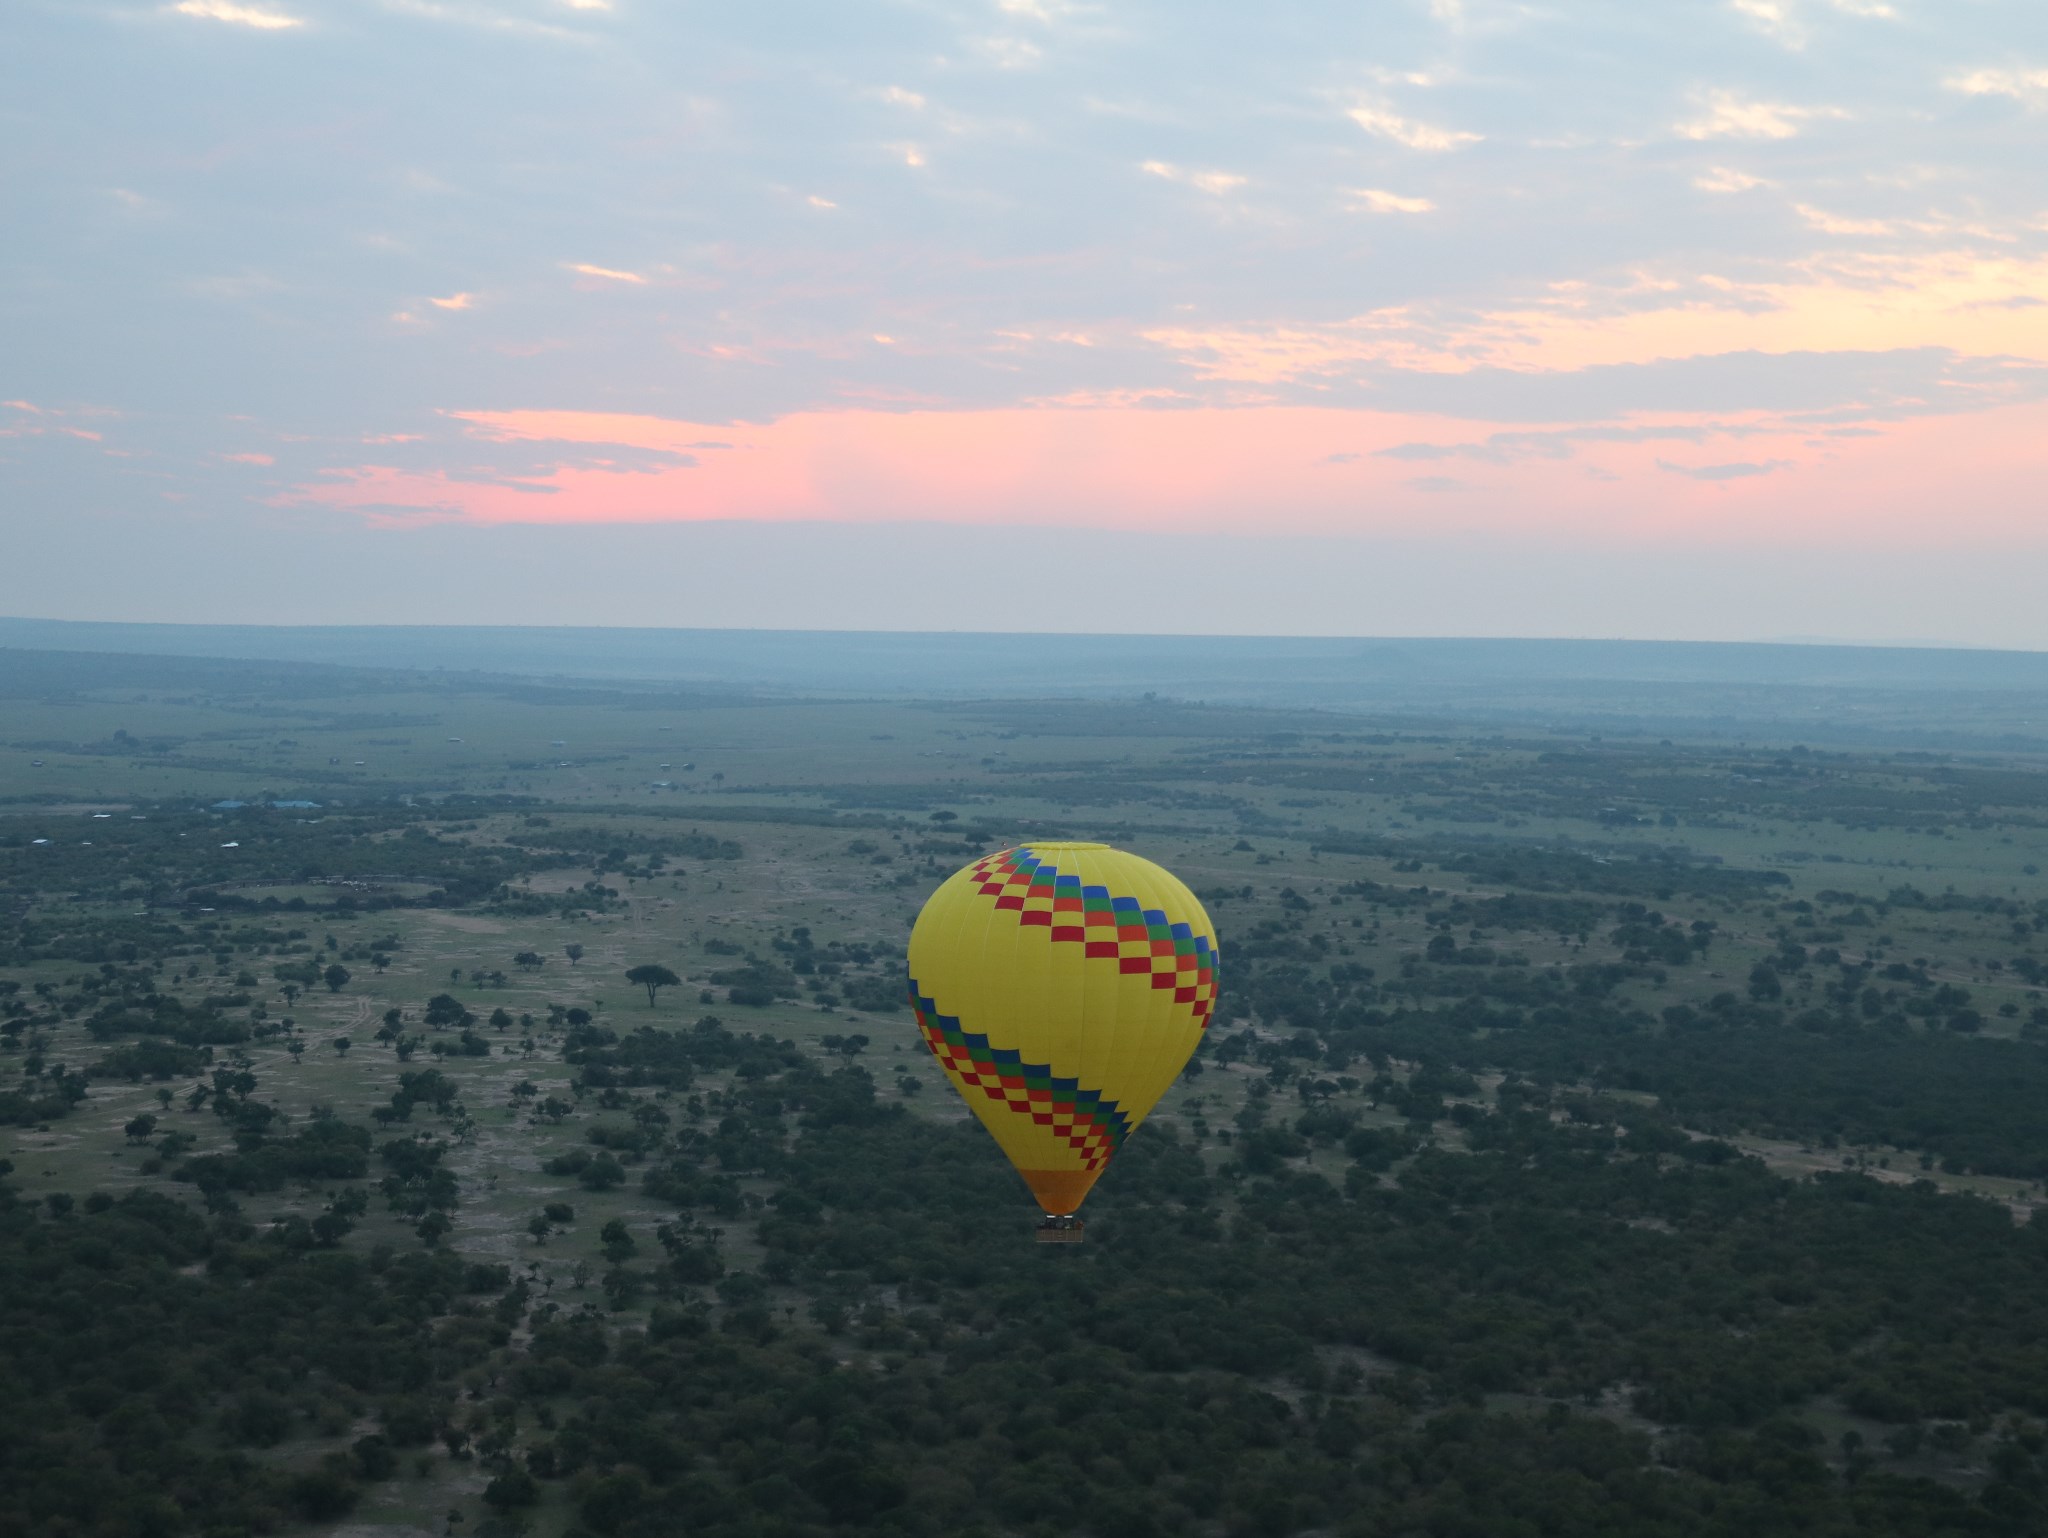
<point x="1719" y="320"/>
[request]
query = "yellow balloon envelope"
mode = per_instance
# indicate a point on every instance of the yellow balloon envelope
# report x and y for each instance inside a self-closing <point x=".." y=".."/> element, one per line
<point x="1062" y="987"/>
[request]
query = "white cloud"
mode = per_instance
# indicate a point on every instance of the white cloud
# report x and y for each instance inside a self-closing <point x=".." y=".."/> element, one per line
<point x="1406" y="131"/>
<point x="1215" y="183"/>
<point x="588" y="5"/>
<point x="1416" y="77"/>
<point x="1835" y="224"/>
<point x="1726" y="179"/>
<point x="896" y="96"/>
<point x="1009" y="52"/>
<point x="1729" y="116"/>
<point x="453" y="302"/>
<point x="2027" y="86"/>
<point x="1047" y="11"/>
<point x="262" y="18"/>
<point x="480" y="13"/>
<point x="1373" y="200"/>
<point x="1781" y="19"/>
<point x="817" y="202"/>
<point x="135" y="202"/>
<point x="611" y="274"/>
<point x="1774" y="17"/>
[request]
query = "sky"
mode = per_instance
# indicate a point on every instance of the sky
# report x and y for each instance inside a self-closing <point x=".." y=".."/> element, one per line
<point x="1703" y="319"/>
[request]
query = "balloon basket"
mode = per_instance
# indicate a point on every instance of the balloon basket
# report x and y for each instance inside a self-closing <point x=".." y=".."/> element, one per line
<point x="1067" y="1230"/>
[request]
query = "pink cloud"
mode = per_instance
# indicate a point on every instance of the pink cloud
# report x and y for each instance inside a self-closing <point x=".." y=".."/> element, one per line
<point x="1939" y="481"/>
<point x="39" y="422"/>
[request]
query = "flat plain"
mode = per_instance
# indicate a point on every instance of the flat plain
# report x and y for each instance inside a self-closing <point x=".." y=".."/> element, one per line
<point x="1448" y="950"/>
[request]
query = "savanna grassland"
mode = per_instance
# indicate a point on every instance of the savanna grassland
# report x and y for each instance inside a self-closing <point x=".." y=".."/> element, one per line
<point x="1599" y="1134"/>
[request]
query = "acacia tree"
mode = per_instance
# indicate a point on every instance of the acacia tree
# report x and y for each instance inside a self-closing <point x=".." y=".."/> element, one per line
<point x="653" y="979"/>
<point x="573" y="952"/>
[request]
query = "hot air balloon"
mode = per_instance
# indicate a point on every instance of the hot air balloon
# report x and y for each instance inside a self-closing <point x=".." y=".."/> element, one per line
<point x="1062" y="987"/>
